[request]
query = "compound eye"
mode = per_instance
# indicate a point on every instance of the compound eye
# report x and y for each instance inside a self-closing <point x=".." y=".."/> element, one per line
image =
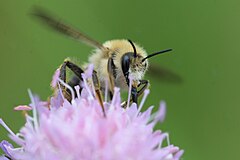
<point x="125" y="65"/>
<point x="126" y="60"/>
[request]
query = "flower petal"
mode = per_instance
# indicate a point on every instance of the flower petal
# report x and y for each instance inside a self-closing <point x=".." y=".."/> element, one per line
<point x="4" y="145"/>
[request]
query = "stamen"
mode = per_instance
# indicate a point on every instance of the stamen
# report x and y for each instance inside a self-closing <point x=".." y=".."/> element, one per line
<point x="152" y="117"/>
<point x="29" y="118"/>
<point x="146" y="92"/>
<point x="87" y="86"/>
<point x="13" y="136"/>
<point x="77" y="88"/>
<point x="106" y="90"/>
<point x="168" y="139"/>
<point x="170" y="150"/>
<point x="158" y="116"/>
<point x="93" y="88"/>
<point x="178" y="154"/>
<point x="35" y="118"/>
<point x="6" y="127"/>
<point x="22" y="108"/>
<point x="68" y="87"/>
<point x="19" y="135"/>
<point x="60" y="91"/>
<point x="129" y="90"/>
<point x="164" y="136"/>
<point x="115" y="97"/>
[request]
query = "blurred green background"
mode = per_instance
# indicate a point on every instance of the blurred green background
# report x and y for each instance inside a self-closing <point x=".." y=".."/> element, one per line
<point x="202" y="112"/>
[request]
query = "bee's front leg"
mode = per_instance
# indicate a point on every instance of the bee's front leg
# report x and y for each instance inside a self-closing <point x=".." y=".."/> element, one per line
<point x="144" y="84"/>
<point x="134" y="94"/>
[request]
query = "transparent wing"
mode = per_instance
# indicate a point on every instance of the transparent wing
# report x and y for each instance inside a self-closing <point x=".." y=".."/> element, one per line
<point x="163" y="74"/>
<point x="63" y="28"/>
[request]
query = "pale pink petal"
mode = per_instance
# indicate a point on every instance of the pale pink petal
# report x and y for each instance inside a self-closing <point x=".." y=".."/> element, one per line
<point x="88" y="72"/>
<point x="160" y="116"/>
<point x="55" y="78"/>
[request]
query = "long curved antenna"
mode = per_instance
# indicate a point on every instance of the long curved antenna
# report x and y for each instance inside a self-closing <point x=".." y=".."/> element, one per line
<point x="134" y="48"/>
<point x="157" y="53"/>
<point x="63" y="28"/>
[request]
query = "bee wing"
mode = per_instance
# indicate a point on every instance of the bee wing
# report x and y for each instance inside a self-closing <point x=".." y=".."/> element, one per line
<point x="64" y="28"/>
<point x="163" y="74"/>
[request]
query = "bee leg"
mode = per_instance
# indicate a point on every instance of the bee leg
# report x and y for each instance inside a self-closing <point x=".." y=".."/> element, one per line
<point x="76" y="70"/>
<point x="98" y="90"/>
<point x="134" y="97"/>
<point x="110" y="94"/>
<point x="145" y="85"/>
<point x="63" y="72"/>
<point x="134" y="94"/>
<point x="110" y="68"/>
<point x="139" y="93"/>
<point x="73" y="67"/>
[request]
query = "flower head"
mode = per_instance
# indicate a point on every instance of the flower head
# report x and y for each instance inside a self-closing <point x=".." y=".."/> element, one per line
<point x="77" y="130"/>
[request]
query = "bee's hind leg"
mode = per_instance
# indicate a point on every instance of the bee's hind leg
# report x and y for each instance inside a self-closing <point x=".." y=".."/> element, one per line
<point x="111" y="73"/>
<point x="73" y="67"/>
<point x="74" y="81"/>
<point x="98" y="90"/>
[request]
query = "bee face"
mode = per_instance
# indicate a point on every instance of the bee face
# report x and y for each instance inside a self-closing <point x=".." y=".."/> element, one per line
<point x="137" y="68"/>
<point x="137" y="65"/>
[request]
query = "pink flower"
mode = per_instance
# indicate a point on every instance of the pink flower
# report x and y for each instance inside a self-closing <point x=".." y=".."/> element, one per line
<point x="78" y="130"/>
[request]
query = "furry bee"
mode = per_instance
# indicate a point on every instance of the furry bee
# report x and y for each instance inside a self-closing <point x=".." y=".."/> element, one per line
<point x="118" y="61"/>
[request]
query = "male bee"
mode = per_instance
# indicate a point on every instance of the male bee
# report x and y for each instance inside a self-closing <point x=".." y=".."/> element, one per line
<point x="118" y="61"/>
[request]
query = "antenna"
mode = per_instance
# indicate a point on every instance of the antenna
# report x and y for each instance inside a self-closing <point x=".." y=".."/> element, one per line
<point x="157" y="53"/>
<point x="134" y="49"/>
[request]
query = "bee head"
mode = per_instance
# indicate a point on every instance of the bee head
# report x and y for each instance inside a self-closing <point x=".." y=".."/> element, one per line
<point x="132" y="63"/>
<point x="136" y="63"/>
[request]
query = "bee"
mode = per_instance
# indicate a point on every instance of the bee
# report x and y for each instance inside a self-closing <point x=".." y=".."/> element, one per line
<point x="122" y="62"/>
